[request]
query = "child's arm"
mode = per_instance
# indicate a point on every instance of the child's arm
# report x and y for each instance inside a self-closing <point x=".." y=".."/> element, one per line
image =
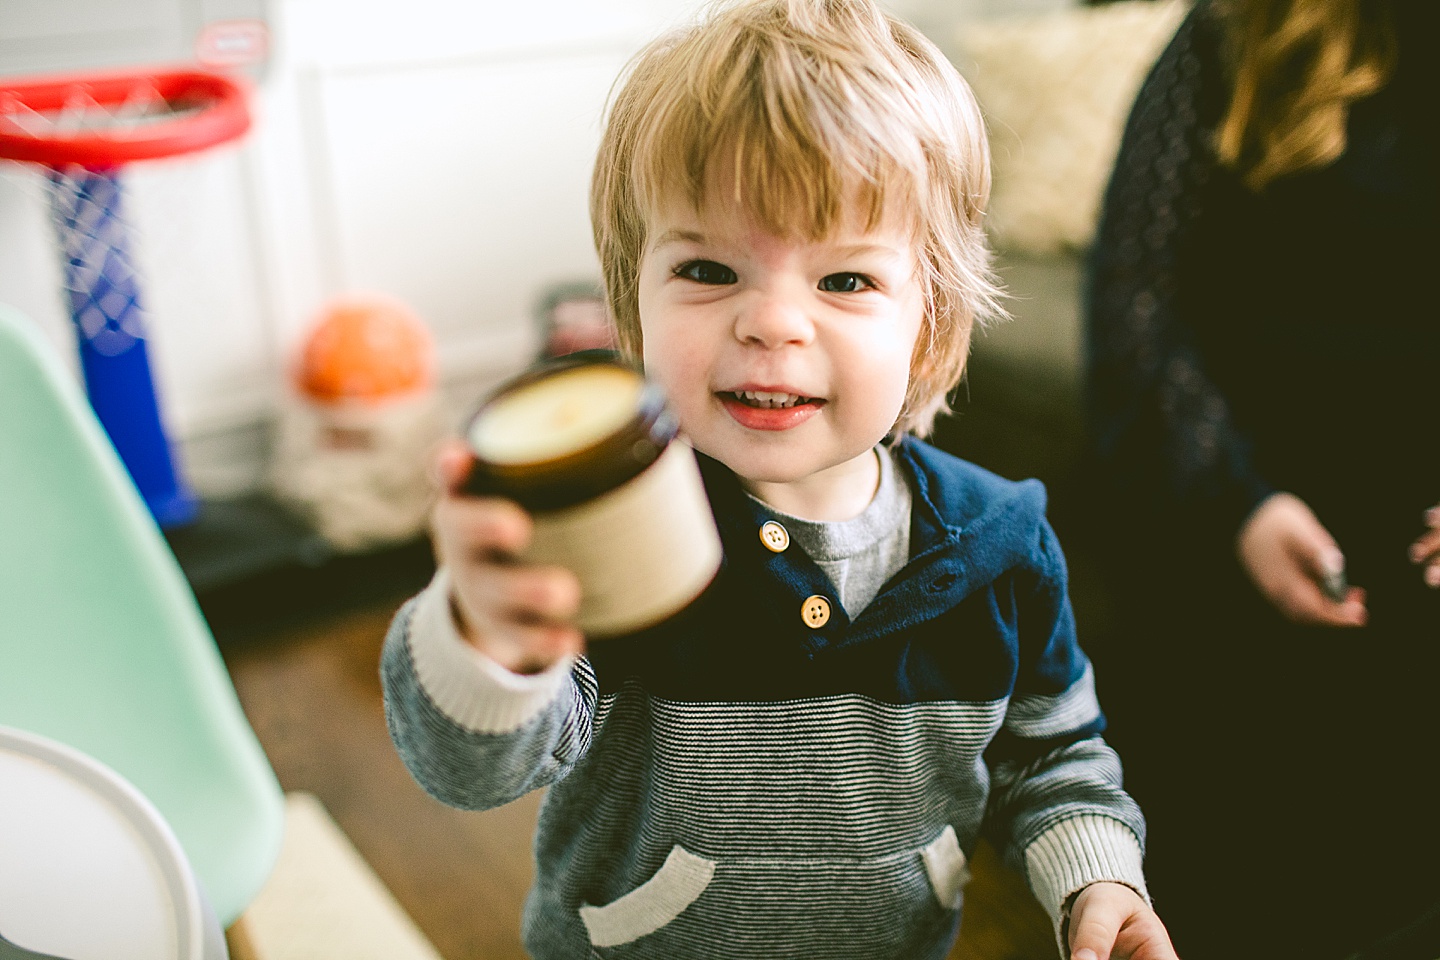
<point x="1057" y="805"/>
<point x="485" y="695"/>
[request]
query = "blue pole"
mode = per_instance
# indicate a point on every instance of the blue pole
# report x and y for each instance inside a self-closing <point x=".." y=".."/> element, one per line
<point x="105" y="304"/>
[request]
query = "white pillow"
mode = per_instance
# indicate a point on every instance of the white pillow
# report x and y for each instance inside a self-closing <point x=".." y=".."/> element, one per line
<point x="1056" y="88"/>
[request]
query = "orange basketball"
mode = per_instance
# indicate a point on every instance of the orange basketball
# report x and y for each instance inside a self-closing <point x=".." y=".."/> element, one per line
<point x="365" y="347"/>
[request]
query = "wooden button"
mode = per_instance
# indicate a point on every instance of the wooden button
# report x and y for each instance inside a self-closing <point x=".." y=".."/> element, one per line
<point x="775" y="537"/>
<point x="815" y="611"/>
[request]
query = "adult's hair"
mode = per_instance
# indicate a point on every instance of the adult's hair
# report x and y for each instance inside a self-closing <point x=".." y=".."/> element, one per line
<point x="1297" y="66"/>
<point x="809" y="110"/>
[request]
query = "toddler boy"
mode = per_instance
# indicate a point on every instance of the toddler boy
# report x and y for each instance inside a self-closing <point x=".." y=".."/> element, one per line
<point x="788" y="208"/>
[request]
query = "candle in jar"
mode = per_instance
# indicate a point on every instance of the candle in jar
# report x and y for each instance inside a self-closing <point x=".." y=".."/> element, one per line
<point x="588" y="446"/>
<point x="557" y="415"/>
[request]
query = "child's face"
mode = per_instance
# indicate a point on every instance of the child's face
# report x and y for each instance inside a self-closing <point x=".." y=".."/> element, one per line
<point x="784" y="359"/>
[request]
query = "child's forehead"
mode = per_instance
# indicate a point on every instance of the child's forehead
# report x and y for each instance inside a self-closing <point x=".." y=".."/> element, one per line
<point x="724" y="210"/>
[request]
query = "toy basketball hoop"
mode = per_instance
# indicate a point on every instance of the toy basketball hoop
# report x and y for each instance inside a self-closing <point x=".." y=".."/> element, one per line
<point x="82" y="130"/>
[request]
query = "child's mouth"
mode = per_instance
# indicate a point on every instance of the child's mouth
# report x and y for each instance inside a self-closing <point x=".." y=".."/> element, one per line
<point x="767" y="410"/>
<point x="764" y="400"/>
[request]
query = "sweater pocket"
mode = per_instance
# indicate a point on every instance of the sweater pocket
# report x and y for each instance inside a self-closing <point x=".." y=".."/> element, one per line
<point x="947" y="868"/>
<point x="895" y="906"/>
<point x="652" y="905"/>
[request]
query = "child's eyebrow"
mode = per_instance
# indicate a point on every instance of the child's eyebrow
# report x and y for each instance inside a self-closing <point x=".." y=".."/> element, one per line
<point x="866" y="249"/>
<point x="679" y="236"/>
<point x="844" y="249"/>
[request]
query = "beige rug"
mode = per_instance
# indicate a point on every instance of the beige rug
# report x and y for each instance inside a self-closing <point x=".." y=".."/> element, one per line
<point x="323" y="902"/>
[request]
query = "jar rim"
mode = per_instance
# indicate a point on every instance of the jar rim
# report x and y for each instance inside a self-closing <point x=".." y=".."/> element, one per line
<point x="589" y="470"/>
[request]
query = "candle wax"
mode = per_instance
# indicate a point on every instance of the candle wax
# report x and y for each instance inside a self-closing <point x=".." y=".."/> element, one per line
<point x="556" y="416"/>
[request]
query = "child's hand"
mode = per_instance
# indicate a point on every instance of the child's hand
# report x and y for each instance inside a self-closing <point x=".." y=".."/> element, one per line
<point x="1110" y="921"/>
<point x="1426" y="550"/>
<point x="1287" y="553"/>
<point x="517" y="615"/>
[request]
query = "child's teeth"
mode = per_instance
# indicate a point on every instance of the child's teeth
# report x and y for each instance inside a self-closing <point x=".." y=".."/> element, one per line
<point x="764" y="398"/>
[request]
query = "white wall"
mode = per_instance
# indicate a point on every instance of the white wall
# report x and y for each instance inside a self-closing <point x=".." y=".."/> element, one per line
<point x="437" y="150"/>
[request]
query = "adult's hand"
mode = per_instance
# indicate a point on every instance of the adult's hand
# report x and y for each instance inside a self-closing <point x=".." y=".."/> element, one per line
<point x="1287" y="554"/>
<point x="1426" y="550"/>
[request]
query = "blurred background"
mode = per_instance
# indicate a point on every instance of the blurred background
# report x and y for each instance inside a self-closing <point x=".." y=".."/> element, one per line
<point x="433" y="150"/>
<point x="430" y="160"/>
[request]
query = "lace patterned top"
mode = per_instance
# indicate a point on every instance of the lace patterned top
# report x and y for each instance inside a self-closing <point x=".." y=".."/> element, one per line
<point x="1242" y="342"/>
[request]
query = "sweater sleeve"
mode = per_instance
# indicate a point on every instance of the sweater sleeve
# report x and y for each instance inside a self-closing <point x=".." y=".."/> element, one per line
<point x="1058" y="808"/>
<point x="473" y="734"/>
<point x="1162" y="431"/>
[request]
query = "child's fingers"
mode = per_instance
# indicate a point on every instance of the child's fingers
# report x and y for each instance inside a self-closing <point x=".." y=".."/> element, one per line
<point x="1095" y="922"/>
<point x="1111" y="937"/>
<point x="1111" y="922"/>
<point x="479" y="529"/>
<point x="519" y="615"/>
<point x="533" y="648"/>
<point x="1144" y="938"/>
<point x="452" y="465"/>
<point x="532" y="595"/>
<point x="498" y="600"/>
<point x="528" y="647"/>
<point x="1093" y="939"/>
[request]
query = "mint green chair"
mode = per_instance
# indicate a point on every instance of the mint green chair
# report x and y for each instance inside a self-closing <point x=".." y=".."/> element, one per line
<point x="102" y="645"/>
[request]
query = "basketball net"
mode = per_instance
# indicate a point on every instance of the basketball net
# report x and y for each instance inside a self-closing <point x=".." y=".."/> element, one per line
<point x="81" y="131"/>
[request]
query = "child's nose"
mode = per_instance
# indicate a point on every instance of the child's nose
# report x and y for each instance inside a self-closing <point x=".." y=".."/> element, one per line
<point x="773" y="319"/>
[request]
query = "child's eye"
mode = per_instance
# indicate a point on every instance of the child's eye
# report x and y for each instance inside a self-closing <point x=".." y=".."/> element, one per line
<point x="845" y="283"/>
<point x="706" y="271"/>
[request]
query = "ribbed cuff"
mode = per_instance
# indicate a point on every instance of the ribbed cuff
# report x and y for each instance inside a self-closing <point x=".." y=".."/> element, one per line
<point x="468" y="686"/>
<point x="1078" y="852"/>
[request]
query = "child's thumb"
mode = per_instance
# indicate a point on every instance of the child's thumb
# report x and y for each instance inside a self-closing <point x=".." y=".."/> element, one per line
<point x="1091" y="938"/>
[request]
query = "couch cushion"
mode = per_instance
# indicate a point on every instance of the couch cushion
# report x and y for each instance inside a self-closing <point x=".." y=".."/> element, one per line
<point x="1056" y="88"/>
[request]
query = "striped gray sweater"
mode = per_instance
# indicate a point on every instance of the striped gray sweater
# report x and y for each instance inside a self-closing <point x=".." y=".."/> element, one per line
<point x="735" y="783"/>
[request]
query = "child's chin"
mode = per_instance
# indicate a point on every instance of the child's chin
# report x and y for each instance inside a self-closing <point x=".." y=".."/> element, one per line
<point x="763" y="466"/>
<point x="783" y="464"/>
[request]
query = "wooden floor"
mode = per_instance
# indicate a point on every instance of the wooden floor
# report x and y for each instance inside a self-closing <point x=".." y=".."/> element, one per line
<point x="303" y="650"/>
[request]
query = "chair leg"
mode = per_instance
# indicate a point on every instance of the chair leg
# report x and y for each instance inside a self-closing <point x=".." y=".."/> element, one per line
<point x="239" y="943"/>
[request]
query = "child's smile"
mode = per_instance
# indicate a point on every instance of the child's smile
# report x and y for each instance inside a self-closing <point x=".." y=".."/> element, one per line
<point x="787" y="359"/>
<point x="769" y="408"/>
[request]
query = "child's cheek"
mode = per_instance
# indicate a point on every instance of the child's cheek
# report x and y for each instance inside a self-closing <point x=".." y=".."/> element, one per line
<point x="665" y="363"/>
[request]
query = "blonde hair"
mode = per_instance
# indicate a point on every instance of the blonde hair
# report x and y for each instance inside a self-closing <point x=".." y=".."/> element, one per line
<point x="806" y="105"/>
<point x="1297" y="67"/>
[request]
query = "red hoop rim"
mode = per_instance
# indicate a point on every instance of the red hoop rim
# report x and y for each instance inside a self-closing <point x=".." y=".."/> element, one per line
<point x="222" y="115"/>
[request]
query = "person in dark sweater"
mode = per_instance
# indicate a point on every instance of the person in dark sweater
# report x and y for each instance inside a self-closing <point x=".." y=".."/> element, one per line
<point x="1262" y="350"/>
